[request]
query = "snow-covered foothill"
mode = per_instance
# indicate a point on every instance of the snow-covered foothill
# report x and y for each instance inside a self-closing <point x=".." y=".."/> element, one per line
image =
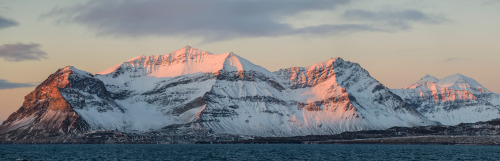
<point x="451" y="100"/>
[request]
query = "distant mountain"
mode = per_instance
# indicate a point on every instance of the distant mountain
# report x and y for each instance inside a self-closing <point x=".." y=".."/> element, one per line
<point x="452" y="100"/>
<point x="192" y="92"/>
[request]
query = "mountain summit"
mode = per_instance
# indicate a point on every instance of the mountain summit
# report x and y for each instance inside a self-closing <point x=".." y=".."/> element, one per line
<point x="184" y="61"/>
<point x="457" y="82"/>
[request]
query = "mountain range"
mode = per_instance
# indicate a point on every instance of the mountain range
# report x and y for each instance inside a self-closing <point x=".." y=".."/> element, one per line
<point x="194" y="92"/>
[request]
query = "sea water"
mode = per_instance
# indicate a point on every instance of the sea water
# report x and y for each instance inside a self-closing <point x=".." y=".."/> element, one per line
<point x="248" y="152"/>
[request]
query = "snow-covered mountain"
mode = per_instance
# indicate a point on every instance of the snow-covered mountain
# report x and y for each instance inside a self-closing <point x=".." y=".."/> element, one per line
<point x="218" y="93"/>
<point x="452" y="100"/>
<point x="45" y="110"/>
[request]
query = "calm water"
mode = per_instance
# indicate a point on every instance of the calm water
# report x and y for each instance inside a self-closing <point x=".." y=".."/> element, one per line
<point x="249" y="152"/>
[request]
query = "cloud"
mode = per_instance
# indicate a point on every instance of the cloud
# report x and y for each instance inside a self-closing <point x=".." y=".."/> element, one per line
<point x="490" y="2"/>
<point x="9" y="85"/>
<point x="21" y="52"/>
<point x="394" y="20"/>
<point x="227" y="19"/>
<point x="337" y="29"/>
<point x="210" y="20"/>
<point x="5" y="22"/>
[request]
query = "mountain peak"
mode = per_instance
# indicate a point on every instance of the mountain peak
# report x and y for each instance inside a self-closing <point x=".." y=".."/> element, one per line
<point x="136" y="58"/>
<point x="455" y="81"/>
<point x="74" y="70"/>
<point x="338" y="59"/>
<point x="187" y="60"/>
<point x="460" y="82"/>
<point x="68" y="68"/>
<point x="234" y="62"/>
<point x="188" y="51"/>
<point x="326" y="63"/>
<point x="456" y="77"/>
<point x="185" y="48"/>
<point x="428" y="78"/>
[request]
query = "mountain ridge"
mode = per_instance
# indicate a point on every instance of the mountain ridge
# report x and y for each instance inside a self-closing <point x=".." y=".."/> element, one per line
<point x="451" y="100"/>
<point x="455" y="81"/>
<point x="193" y="93"/>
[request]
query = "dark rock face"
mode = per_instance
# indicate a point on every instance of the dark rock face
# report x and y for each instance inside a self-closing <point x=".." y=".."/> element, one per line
<point x="251" y="76"/>
<point x="317" y="105"/>
<point x="182" y="81"/>
<point x="81" y="90"/>
<point x="45" y="113"/>
<point x="310" y="78"/>
<point x="161" y="95"/>
<point x="197" y="102"/>
<point x="427" y="104"/>
<point x="215" y="110"/>
<point x="48" y="111"/>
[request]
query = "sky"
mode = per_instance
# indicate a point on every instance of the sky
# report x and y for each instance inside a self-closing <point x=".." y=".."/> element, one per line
<point x="397" y="41"/>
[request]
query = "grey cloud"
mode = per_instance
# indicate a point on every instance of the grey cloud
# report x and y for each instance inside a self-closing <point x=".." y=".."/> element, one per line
<point x="490" y="2"/>
<point x="21" y="52"/>
<point x="210" y="20"/>
<point x="338" y="29"/>
<point x="394" y="20"/>
<point x="5" y="22"/>
<point x="9" y="85"/>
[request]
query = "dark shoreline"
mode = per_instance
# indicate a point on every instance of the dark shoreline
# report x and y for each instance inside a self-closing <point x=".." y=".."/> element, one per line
<point x="424" y="140"/>
<point x="480" y="133"/>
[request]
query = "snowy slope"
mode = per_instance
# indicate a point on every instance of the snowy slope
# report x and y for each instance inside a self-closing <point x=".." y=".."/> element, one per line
<point x="169" y="89"/>
<point x="494" y="99"/>
<point x="452" y="100"/>
<point x="182" y="62"/>
<point x="343" y="94"/>
<point x="227" y="94"/>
